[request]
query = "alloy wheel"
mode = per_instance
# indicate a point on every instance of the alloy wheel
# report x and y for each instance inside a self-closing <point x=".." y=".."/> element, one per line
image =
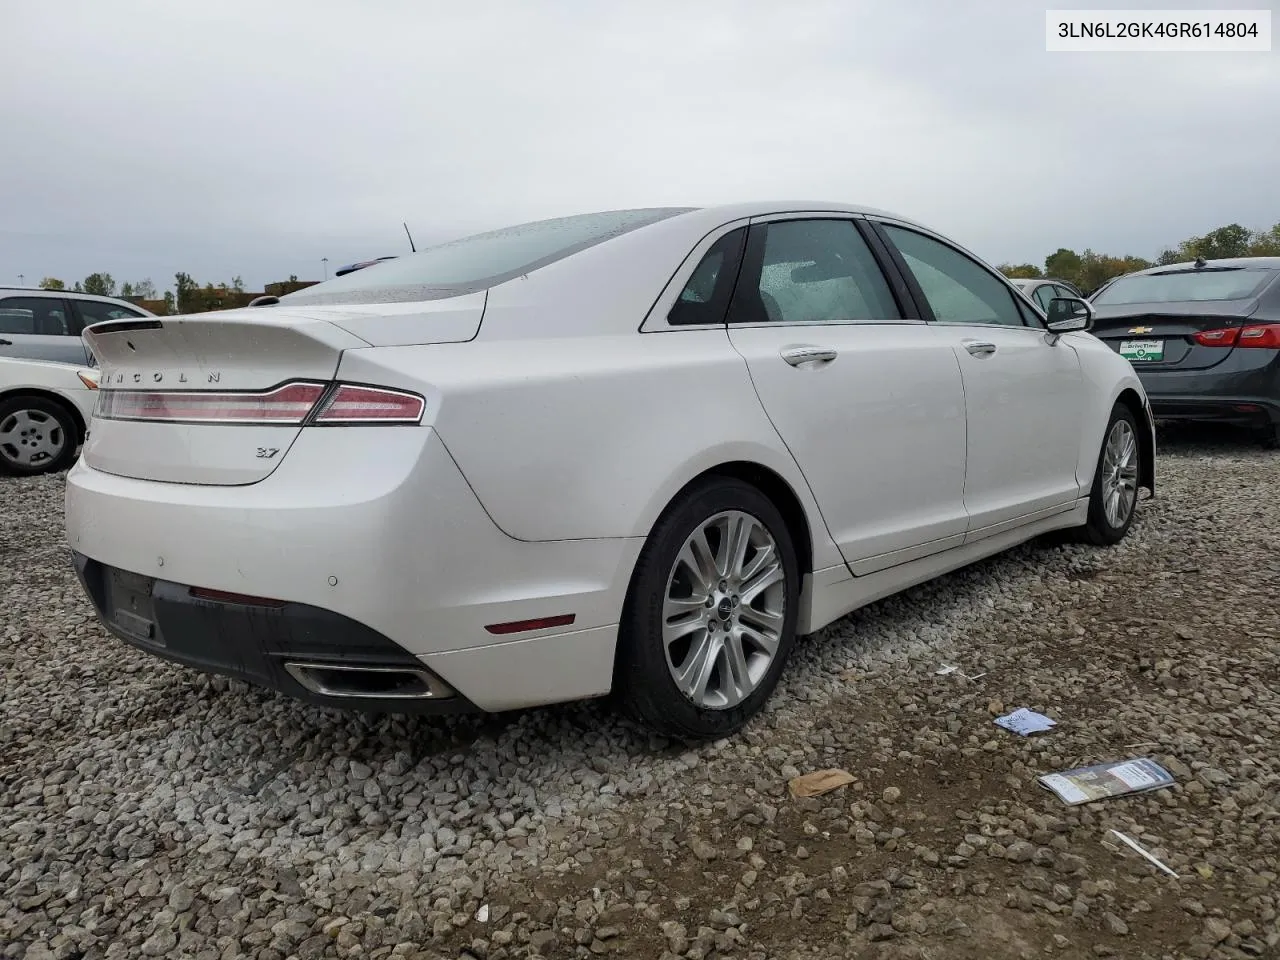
<point x="723" y="610"/>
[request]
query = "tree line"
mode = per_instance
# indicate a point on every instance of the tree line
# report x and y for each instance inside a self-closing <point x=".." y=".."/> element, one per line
<point x="1090" y="270"/>
<point x="187" y="295"/>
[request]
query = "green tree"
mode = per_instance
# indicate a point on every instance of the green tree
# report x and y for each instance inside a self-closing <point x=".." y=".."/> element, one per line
<point x="100" y="284"/>
<point x="77" y="288"/>
<point x="1265" y="243"/>
<point x="127" y="290"/>
<point x="237" y="285"/>
<point x="1021" y="271"/>
<point x="52" y="283"/>
<point x="1229" y="241"/>
<point x="169" y="306"/>
<point x="145" y="289"/>
<point x="183" y="287"/>
<point x="1064" y="264"/>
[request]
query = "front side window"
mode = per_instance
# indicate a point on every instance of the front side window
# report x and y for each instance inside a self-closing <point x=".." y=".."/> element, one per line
<point x="812" y="271"/>
<point x="957" y="288"/>
<point x="95" y="311"/>
<point x="39" y="316"/>
<point x="1044" y="293"/>
<point x="705" y="296"/>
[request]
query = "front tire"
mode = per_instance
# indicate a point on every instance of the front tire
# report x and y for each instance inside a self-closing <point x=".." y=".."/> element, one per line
<point x="710" y="614"/>
<point x="36" y="436"/>
<point x="1113" y="502"/>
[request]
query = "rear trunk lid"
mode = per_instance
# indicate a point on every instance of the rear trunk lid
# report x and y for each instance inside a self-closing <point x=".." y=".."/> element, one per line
<point x="1161" y="336"/>
<point x="219" y="398"/>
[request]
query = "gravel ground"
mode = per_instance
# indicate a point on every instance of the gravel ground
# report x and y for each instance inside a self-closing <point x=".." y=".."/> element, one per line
<point x="147" y="810"/>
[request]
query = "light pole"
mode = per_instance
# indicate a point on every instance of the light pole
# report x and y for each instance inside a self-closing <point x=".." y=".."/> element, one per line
<point x="22" y="279"/>
<point x="325" y="261"/>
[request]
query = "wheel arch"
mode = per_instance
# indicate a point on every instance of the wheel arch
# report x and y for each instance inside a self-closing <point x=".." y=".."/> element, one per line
<point x="779" y="491"/>
<point x="53" y="396"/>
<point x="1146" y="437"/>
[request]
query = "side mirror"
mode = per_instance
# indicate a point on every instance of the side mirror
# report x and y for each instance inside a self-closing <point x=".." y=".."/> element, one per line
<point x="1069" y="315"/>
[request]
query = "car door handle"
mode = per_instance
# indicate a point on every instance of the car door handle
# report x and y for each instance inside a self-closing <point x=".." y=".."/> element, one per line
<point x="979" y="348"/>
<point x="807" y="354"/>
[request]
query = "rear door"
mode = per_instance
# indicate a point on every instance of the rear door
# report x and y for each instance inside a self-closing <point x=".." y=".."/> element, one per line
<point x="867" y="397"/>
<point x="40" y="328"/>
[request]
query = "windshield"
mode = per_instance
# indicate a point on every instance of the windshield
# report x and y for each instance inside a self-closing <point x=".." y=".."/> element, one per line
<point x="1183" y="286"/>
<point x="479" y="261"/>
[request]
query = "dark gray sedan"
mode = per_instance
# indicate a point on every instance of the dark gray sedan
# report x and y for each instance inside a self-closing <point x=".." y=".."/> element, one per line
<point x="1204" y="338"/>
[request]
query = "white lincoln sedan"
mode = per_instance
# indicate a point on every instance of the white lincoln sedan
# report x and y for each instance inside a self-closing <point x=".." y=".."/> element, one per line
<point x="636" y="452"/>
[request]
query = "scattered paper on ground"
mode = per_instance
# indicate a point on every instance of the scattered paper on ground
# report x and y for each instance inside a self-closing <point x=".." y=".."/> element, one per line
<point x="1024" y="722"/>
<point x="1103" y="780"/>
<point x="946" y="668"/>
<point x="819" y="782"/>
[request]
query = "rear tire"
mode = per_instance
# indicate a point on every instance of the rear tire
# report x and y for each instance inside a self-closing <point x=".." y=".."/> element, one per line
<point x="702" y="644"/>
<point x="37" y="435"/>
<point x="1113" y="501"/>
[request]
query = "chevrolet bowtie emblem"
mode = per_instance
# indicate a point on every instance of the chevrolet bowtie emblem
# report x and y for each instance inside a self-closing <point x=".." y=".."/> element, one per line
<point x="1140" y="329"/>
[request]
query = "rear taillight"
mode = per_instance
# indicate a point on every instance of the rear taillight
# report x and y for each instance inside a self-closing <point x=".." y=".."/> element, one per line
<point x="287" y="404"/>
<point x="355" y="404"/>
<point x="1264" y="335"/>
<point x="1225" y="337"/>
<point x="1258" y="335"/>
<point x="291" y="404"/>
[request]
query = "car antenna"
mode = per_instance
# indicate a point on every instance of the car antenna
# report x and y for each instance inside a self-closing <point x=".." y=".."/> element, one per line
<point x="410" y="236"/>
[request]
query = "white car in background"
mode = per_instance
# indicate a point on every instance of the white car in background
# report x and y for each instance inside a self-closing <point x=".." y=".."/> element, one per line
<point x="637" y="451"/>
<point x="45" y="408"/>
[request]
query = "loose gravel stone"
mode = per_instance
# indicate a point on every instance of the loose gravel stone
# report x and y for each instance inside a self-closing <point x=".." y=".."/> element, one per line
<point x="149" y="810"/>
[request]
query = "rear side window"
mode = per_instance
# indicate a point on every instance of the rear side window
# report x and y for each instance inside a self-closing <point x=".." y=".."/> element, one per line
<point x="479" y="261"/>
<point x="812" y="271"/>
<point x="38" y="316"/>
<point x="705" y="296"/>
<point x="95" y="311"/>
<point x="1187" y="286"/>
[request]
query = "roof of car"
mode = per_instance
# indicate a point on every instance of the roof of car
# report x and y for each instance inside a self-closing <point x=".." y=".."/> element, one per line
<point x="1256" y="263"/>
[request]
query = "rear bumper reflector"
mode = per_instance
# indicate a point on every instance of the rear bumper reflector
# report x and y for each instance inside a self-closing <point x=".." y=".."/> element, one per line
<point x="524" y="626"/>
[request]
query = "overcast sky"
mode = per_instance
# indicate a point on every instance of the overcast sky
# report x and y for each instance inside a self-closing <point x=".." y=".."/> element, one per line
<point x="143" y="137"/>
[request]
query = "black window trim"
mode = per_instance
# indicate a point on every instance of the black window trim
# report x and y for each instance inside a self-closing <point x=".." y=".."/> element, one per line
<point x="926" y="311"/>
<point x="656" y="317"/>
<point x="726" y="281"/>
<point x="752" y="264"/>
<point x="68" y="311"/>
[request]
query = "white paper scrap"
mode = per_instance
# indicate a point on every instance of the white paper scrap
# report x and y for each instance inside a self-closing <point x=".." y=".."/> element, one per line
<point x="946" y="668"/>
<point x="1064" y="788"/>
<point x="1024" y="722"/>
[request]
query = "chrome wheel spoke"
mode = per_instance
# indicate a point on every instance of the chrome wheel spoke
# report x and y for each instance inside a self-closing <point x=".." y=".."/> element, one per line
<point x="699" y="561"/>
<point x="697" y="669"/>
<point x="734" y="546"/>
<point x="739" y="676"/>
<point x="767" y="644"/>
<point x="761" y="582"/>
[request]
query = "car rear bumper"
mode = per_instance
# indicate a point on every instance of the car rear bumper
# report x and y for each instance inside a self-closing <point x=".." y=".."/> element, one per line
<point x="1245" y="388"/>
<point x="299" y="650"/>
<point x="371" y="544"/>
<point x="1251" y="411"/>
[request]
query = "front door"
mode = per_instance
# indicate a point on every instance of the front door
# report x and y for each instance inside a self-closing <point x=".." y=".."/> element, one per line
<point x="868" y="399"/>
<point x="1024" y="390"/>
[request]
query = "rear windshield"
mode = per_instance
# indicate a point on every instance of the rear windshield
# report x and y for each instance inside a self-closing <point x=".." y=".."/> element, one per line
<point x="1186" y="286"/>
<point x="479" y="261"/>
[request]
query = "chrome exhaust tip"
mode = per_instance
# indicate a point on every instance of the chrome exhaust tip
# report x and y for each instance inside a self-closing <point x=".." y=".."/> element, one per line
<point x="359" y="682"/>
